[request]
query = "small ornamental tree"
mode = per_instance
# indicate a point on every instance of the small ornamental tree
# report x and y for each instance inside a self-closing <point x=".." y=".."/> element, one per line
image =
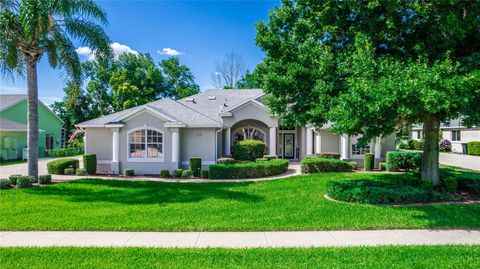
<point x="370" y="67"/>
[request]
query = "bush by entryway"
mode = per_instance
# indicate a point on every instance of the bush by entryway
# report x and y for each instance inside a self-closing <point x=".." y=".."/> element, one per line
<point x="248" y="170"/>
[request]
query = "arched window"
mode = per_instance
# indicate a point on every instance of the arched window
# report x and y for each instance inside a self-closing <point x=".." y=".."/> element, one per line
<point x="145" y="144"/>
<point x="248" y="133"/>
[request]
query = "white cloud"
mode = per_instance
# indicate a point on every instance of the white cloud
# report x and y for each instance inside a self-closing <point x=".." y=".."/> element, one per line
<point x="170" y="52"/>
<point x="117" y="50"/>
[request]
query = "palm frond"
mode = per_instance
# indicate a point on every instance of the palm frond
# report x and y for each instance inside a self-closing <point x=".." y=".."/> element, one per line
<point x="91" y="35"/>
<point x="67" y="56"/>
<point x="84" y="8"/>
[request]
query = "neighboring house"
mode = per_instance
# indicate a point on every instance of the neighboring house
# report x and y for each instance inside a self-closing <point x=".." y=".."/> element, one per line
<point x="165" y="134"/>
<point x="13" y="127"/>
<point x="454" y="131"/>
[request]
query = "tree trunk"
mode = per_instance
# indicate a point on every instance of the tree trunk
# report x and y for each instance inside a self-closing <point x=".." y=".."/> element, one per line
<point x="430" y="164"/>
<point x="32" y="136"/>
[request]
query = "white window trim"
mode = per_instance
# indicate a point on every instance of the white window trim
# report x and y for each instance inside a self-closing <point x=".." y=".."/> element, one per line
<point x="251" y="127"/>
<point x="459" y="135"/>
<point x="359" y="156"/>
<point x="145" y="159"/>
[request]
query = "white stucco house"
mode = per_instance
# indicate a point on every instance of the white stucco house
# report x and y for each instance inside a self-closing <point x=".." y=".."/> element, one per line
<point x="165" y="134"/>
<point x="454" y="131"/>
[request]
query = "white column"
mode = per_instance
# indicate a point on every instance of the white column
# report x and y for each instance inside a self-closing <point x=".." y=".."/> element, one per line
<point x="273" y="141"/>
<point x="228" y="135"/>
<point x="344" y="147"/>
<point x="309" y="141"/>
<point x="115" y="151"/>
<point x="378" y="147"/>
<point x="175" y="145"/>
<point x="318" y="143"/>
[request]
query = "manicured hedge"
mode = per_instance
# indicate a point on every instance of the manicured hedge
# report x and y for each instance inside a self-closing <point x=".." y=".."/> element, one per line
<point x="177" y="172"/>
<point x="5" y="184"/>
<point x="45" y="179"/>
<point x="57" y="167"/>
<point x="196" y="166"/>
<point x="403" y="160"/>
<point x="329" y="155"/>
<point x="164" y="173"/>
<point x="13" y="179"/>
<point x="416" y="144"/>
<point x="90" y="163"/>
<point x="187" y="173"/>
<point x="204" y="174"/>
<point x="373" y="192"/>
<point x="248" y="150"/>
<point x="473" y="148"/>
<point x="128" y="172"/>
<point x="226" y="160"/>
<point x="64" y="152"/>
<point x="248" y="170"/>
<point x="369" y="161"/>
<point x="24" y="182"/>
<point x="318" y="165"/>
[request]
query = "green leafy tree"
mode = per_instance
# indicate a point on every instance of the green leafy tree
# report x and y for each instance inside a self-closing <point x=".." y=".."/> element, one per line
<point x="136" y="82"/>
<point x="30" y="29"/>
<point x="249" y="81"/>
<point x="179" y="80"/>
<point x="371" y="66"/>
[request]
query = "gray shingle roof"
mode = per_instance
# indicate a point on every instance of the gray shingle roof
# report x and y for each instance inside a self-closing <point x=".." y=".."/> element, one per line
<point x="9" y="125"/>
<point x="7" y="100"/>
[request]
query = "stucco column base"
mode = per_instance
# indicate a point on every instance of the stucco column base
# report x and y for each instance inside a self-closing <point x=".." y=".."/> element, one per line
<point x="115" y="167"/>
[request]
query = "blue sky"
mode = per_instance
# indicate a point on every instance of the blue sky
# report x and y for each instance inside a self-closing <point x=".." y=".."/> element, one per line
<point x="202" y="31"/>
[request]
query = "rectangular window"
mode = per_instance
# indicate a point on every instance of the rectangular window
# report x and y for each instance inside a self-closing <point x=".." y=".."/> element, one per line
<point x="63" y="138"/>
<point x="49" y="141"/>
<point x="419" y="134"/>
<point x="145" y="143"/>
<point x="456" y="135"/>
<point x="357" y="150"/>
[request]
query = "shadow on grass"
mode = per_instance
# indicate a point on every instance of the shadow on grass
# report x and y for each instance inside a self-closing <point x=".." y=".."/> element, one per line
<point x="143" y="192"/>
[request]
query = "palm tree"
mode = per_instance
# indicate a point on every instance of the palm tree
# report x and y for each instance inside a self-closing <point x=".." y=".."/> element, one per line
<point x="29" y="29"/>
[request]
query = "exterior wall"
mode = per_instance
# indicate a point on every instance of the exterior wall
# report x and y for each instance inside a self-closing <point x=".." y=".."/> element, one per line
<point x="330" y="142"/>
<point x="12" y="144"/>
<point x="197" y="142"/>
<point x="47" y="121"/>
<point x="99" y="141"/>
<point x="466" y="135"/>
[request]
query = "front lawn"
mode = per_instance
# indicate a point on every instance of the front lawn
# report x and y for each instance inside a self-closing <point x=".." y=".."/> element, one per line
<point x="294" y="203"/>
<point x="355" y="257"/>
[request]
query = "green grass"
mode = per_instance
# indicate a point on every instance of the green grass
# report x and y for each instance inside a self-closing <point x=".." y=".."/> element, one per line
<point x="295" y="203"/>
<point x="365" y="257"/>
<point x="5" y="163"/>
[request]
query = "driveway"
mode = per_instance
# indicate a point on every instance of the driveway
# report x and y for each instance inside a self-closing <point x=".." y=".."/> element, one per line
<point x="22" y="168"/>
<point x="459" y="160"/>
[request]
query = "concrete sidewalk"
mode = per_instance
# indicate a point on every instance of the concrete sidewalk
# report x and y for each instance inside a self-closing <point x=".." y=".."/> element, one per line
<point x="241" y="239"/>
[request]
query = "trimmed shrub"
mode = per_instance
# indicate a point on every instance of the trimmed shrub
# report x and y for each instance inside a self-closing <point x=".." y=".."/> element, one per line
<point x="5" y="184"/>
<point x="226" y="160"/>
<point x="473" y="148"/>
<point x="248" y="150"/>
<point x="469" y="184"/>
<point x="81" y="172"/>
<point x="374" y="192"/>
<point x="128" y="172"/>
<point x="416" y="144"/>
<point x="318" y="165"/>
<point x="449" y="184"/>
<point x="13" y="179"/>
<point x="445" y="145"/>
<point x="164" y="173"/>
<point x="45" y="179"/>
<point x="269" y="157"/>
<point x="90" y="163"/>
<point x="187" y="173"/>
<point x="261" y="159"/>
<point x="248" y="169"/>
<point x="24" y="182"/>
<point x="329" y="155"/>
<point x="404" y="144"/>
<point x="368" y="161"/>
<point x="69" y="171"/>
<point x="177" y="172"/>
<point x="204" y="173"/>
<point x="57" y="167"/>
<point x="382" y="166"/>
<point x="196" y="166"/>
<point x="354" y="165"/>
<point x="63" y="152"/>
<point x="403" y="160"/>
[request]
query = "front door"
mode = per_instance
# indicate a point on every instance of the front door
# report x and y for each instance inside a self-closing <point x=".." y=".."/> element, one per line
<point x="288" y="146"/>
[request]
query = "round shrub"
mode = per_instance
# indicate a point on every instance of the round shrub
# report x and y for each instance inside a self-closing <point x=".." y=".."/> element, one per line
<point x="318" y="165"/>
<point x="226" y="160"/>
<point x="329" y="155"/>
<point x="13" y="179"/>
<point x="416" y="144"/>
<point x="24" y="182"/>
<point x="368" y="161"/>
<point x="187" y="173"/>
<point x="57" y="167"/>
<point x="374" y="192"/>
<point x="69" y="171"/>
<point x="248" y="169"/>
<point x="204" y="174"/>
<point x="248" y="150"/>
<point x="90" y="163"/>
<point x="164" y="173"/>
<point x="473" y="148"/>
<point x="5" y="184"/>
<point x="354" y="165"/>
<point x="403" y="160"/>
<point x="177" y="172"/>
<point x="128" y="172"/>
<point x="45" y="179"/>
<point x="196" y="166"/>
<point x="81" y="172"/>
<point x="382" y="166"/>
<point x="445" y="145"/>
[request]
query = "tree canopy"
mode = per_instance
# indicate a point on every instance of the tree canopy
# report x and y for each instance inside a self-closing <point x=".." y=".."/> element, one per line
<point x="179" y="80"/>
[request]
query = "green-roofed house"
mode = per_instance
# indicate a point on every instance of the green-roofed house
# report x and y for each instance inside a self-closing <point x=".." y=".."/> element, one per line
<point x="13" y="127"/>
